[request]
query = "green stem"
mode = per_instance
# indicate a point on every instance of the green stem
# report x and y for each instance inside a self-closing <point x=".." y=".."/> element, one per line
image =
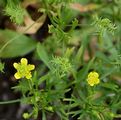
<point x="10" y="102"/>
<point x="48" y="12"/>
<point x="31" y="84"/>
<point x="43" y="115"/>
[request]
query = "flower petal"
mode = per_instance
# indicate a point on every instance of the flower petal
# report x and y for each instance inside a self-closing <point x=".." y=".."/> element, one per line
<point x="90" y="82"/>
<point x="16" y="65"/>
<point x="31" y="67"/>
<point x="28" y="76"/>
<point x="95" y="74"/>
<point x="24" y="61"/>
<point x="17" y="75"/>
<point x="97" y="81"/>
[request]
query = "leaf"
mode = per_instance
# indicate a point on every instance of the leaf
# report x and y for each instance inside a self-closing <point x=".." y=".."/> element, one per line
<point x="110" y="86"/>
<point x="13" y="44"/>
<point x="43" y="78"/>
<point x="23" y="86"/>
<point x="1" y="66"/>
<point x="43" y="55"/>
<point x="35" y="25"/>
<point x="25" y="3"/>
<point x="84" y="8"/>
<point x="83" y="72"/>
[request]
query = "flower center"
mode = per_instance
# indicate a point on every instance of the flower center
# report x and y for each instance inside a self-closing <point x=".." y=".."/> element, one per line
<point x="23" y="70"/>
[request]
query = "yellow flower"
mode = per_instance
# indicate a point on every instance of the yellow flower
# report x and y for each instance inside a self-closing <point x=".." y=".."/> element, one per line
<point x="23" y="69"/>
<point x="93" y="78"/>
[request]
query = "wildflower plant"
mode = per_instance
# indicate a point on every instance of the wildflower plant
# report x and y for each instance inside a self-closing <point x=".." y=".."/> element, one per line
<point x="61" y="84"/>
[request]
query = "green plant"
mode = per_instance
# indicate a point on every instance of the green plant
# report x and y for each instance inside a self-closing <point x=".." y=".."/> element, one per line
<point x="78" y="44"/>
